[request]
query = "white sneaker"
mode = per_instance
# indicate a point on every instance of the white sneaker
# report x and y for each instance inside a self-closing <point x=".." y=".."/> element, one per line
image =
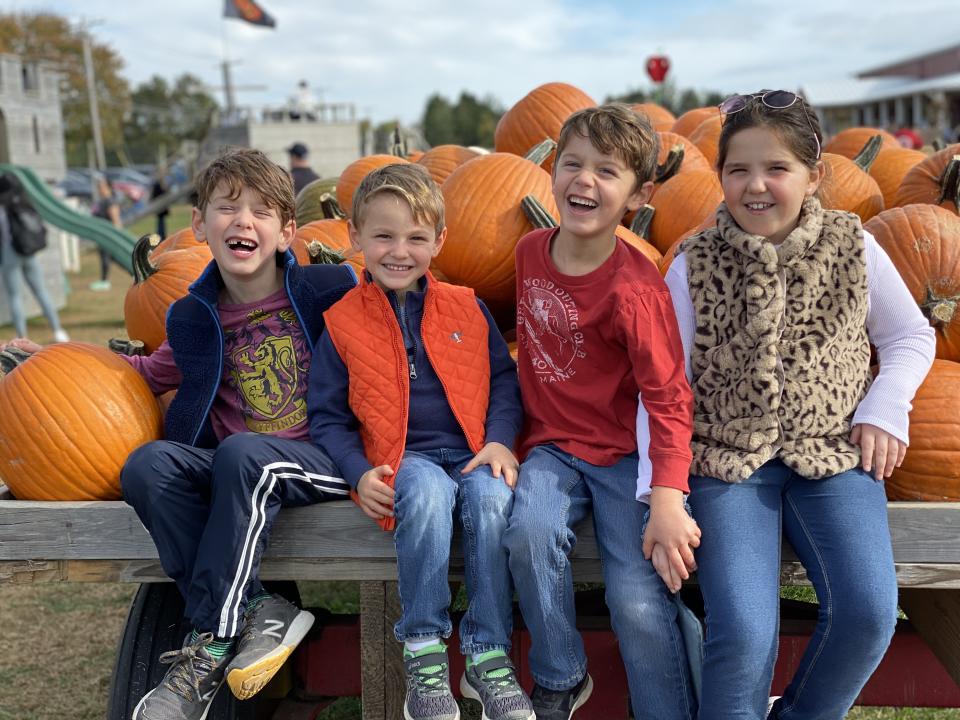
<point x="60" y="336"/>
<point x="771" y="701"/>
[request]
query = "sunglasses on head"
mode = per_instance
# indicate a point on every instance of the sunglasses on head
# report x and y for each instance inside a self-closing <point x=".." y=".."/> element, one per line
<point x="773" y="99"/>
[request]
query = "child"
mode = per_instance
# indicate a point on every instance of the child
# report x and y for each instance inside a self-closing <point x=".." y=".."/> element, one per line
<point x="237" y="448"/>
<point x="413" y="393"/>
<point x="777" y="308"/>
<point x="596" y="331"/>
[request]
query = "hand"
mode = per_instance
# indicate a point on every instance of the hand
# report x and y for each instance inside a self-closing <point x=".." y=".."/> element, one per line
<point x="501" y="460"/>
<point x="670" y="537"/>
<point x="376" y="497"/>
<point x="879" y="450"/>
<point x="21" y="343"/>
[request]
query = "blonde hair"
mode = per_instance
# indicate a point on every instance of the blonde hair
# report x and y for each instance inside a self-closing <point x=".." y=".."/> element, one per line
<point x="616" y="129"/>
<point x="407" y="181"/>
<point x="239" y="168"/>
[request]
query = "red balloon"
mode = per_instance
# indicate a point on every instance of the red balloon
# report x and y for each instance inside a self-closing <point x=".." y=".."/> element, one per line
<point x="657" y="66"/>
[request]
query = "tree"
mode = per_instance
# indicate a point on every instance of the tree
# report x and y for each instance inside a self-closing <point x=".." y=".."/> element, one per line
<point x="41" y="36"/>
<point x="163" y="116"/>
<point x="689" y="99"/>
<point x="438" y="121"/>
<point x="469" y="122"/>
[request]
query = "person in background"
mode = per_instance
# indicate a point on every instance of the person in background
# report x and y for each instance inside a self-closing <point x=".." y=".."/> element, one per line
<point x="159" y="189"/>
<point x="300" y="167"/>
<point x="107" y="207"/>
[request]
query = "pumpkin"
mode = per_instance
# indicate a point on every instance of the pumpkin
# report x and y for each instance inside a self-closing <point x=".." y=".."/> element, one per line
<point x="931" y="468"/>
<point x="539" y="114"/>
<point x="707" y="138"/>
<point x="889" y="169"/>
<point x="444" y="159"/>
<point x="158" y="281"/>
<point x="73" y="412"/>
<point x="485" y="221"/>
<point x="353" y="175"/>
<point x="847" y="186"/>
<point x="334" y="235"/>
<point x="660" y="118"/>
<point x="688" y="121"/>
<point x="935" y="180"/>
<point x="317" y="200"/>
<point x="850" y="142"/>
<point x="709" y="222"/>
<point x="685" y="199"/>
<point x="923" y="241"/>
<point x="180" y="240"/>
<point x="678" y="154"/>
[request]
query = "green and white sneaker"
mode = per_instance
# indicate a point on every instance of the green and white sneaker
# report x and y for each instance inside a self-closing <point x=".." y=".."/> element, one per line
<point x="190" y="685"/>
<point x="492" y="681"/>
<point x="428" y="685"/>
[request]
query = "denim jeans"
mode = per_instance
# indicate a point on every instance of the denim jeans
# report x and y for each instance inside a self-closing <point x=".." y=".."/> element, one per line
<point x="430" y="493"/>
<point x="838" y="528"/>
<point x="14" y="266"/>
<point x="555" y="491"/>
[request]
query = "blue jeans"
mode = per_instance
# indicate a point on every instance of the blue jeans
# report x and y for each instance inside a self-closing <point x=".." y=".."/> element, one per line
<point x="430" y="492"/>
<point x="555" y="491"/>
<point x="838" y="527"/>
<point x="14" y="266"/>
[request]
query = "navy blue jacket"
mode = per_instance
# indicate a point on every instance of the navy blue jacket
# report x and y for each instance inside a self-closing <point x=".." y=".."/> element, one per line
<point x="196" y="338"/>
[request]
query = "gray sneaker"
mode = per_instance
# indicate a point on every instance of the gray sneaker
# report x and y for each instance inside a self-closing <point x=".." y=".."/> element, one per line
<point x="428" y="686"/>
<point x="273" y="628"/>
<point x="187" y="690"/>
<point x="560" y="704"/>
<point x="493" y="683"/>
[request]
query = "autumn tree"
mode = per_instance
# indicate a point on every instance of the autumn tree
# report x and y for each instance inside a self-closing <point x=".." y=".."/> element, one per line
<point x="163" y="115"/>
<point x="45" y="37"/>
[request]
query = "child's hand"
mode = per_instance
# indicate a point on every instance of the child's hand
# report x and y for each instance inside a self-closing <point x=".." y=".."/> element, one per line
<point x="376" y="497"/>
<point x="21" y="343"/>
<point x="670" y="537"/>
<point x="878" y="449"/>
<point x="500" y="459"/>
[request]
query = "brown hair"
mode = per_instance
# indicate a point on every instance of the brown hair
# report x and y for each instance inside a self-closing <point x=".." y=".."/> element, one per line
<point x="240" y="168"/>
<point x="616" y="129"/>
<point x="797" y="126"/>
<point x="409" y="182"/>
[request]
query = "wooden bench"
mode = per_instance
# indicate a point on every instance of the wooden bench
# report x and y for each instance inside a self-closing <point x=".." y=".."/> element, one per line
<point x="105" y="542"/>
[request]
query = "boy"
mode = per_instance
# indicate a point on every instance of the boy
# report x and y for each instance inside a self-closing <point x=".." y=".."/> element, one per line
<point x="413" y="393"/>
<point x="596" y="330"/>
<point x="237" y="448"/>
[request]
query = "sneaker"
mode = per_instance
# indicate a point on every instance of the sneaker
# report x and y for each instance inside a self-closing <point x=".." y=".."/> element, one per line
<point x="187" y="690"/>
<point x="771" y="704"/>
<point x="428" y="685"/>
<point x="560" y="704"/>
<point x="100" y="285"/>
<point x="493" y="683"/>
<point x="272" y="629"/>
<point x="60" y="336"/>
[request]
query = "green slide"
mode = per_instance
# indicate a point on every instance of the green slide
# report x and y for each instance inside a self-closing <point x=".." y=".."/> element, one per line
<point x="118" y="243"/>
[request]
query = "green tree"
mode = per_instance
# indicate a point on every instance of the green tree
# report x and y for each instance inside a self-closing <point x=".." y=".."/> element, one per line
<point x="437" y="122"/>
<point x="469" y="122"/>
<point x="43" y="36"/>
<point x="689" y="99"/>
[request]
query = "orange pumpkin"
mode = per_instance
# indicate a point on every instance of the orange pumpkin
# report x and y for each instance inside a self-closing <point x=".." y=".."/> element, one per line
<point x="538" y="115"/>
<point x="332" y="234"/>
<point x="444" y="159"/>
<point x="72" y="414"/>
<point x="631" y="238"/>
<point x="659" y="116"/>
<point x="889" y="169"/>
<point x="923" y="241"/>
<point x="158" y="281"/>
<point x="672" y="144"/>
<point x="709" y="222"/>
<point x="935" y="180"/>
<point x="691" y="119"/>
<point x="353" y="175"/>
<point x="931" y="468"/>
<point x="707" y="138"/>
<point x="180" y="240"/>
<point x="485" y="221"/>
<point x="846" y="186"/>
<point x="683" y="200"/>
<point x="850" y="142"/>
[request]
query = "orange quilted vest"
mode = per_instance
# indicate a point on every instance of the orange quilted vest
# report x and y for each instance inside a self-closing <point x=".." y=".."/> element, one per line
<point x="366" y="334"/>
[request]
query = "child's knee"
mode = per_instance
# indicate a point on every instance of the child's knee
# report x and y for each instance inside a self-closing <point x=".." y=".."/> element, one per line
<point x="139" y="475"/>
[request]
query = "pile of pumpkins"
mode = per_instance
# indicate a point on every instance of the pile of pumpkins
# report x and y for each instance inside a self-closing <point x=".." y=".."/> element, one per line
<point x="906" y="198"/>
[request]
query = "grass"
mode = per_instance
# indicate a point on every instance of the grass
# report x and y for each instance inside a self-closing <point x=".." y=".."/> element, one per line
<point x="57" y="642"/>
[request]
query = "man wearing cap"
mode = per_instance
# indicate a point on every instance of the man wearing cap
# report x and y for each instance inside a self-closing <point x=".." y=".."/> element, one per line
<point x="300" y="167"/>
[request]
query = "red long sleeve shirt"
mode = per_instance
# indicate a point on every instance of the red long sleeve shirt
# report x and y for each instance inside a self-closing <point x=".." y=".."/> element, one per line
<point x="590" y="348"/>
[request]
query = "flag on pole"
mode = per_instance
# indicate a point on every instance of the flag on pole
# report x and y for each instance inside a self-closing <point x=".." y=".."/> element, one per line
<point x="247" y="10"/>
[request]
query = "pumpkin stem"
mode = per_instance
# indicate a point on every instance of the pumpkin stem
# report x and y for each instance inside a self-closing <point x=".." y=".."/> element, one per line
<point x="320" y="254"/>
<point x="541" y="151"/>
<point x="937" y="144"/>
<point x="536" y="213"/>
<point x="142" y="267"/>
<point x="950" y="182"/>
<point x="641" y="221"/>
<point x="11" y="358"/>
<point x="868" y="153"/>
<point x="129" y="348"/>
<point x="671" y="166"/>
<point x="939" y="310"/>
<point x="330" y="208"/>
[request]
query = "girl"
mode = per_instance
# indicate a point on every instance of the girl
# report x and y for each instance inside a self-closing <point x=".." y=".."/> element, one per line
<point x="108" y="208"/>
<point x="777" y="307"/>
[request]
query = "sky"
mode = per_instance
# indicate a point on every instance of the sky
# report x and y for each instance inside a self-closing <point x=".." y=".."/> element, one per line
<point x="388" y="58"/>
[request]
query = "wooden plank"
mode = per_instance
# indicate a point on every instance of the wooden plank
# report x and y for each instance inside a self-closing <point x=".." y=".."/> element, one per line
<point x="936" y="616"/>
<point x="372" y="668"/>
<point x="394" y="680"/>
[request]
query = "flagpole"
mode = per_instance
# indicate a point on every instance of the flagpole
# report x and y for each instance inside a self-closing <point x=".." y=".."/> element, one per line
<point x="225" y="69"/>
